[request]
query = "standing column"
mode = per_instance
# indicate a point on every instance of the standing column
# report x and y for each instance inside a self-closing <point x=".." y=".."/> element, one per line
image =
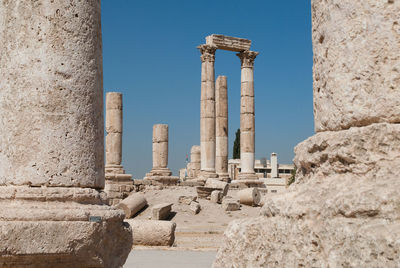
<point x="207" y="112"/>
<point x="114" y="132"/>
<point x="51" y="142"/>
<point x="195" y="162"/>
<point x="160" y="151"/>
<point x="274" y="165"/>
<point x="221" y="109"/>
<point x="115" y="174"/>
<point x="247" y="120"/>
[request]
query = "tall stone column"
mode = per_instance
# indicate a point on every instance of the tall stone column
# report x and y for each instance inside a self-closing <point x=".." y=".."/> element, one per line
<point x="247" y="116"/>
<point x="51" y="142"/>
<point x="274" y="165"/>
<point x="118" y="184"/>
<point x="207" y="112"/>
<point x="221" y="109"/>
<point x="160" y="170"/>
<point x="195" y="162"/>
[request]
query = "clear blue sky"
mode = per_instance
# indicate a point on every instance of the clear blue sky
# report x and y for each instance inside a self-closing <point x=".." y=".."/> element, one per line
<point x="150" y="55"/>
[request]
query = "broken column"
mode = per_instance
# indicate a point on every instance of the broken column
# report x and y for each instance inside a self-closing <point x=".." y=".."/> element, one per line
<point x="274" y="165"/>
<point x="247" y="119"/>
<point x="118" y="184"/>
<point x="160" y="170"/>
<point x="193" y="168"/>
<point x="221" y="110"/>
<point x="342" y="209"/>
<point x="207" y="112"/>
<point x="51" y="142"/>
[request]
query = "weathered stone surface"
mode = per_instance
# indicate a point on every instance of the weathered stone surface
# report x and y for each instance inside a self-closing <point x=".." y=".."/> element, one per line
<point x="152" y="233"/>
<point x="342" y="211"/>
<point x="195" y="207"/>
<point x="205" y="192"/>
<point x="249" y="196"/>
<point x="221" y="108"/>
<point x="161" y="211"/>
<point x="51" y="94"/>
<point x="230" y="204"/>
<point x="132" y="204"/>
<point x="217" y="184"/>
<point x="186" y="199"/>
<point x="356" y="63"/>
<point x="228" y="42"/>
<point x="67" y="234"/>
<point x="216" y="197"/>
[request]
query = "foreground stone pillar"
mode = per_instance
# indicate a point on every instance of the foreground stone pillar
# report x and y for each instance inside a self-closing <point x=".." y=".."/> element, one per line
<point x="207" y="112"/>
<point x="51" y="142"/>
<point x="221" y="109"/>
<point x="160" y="168"/>
<point x="118" y="184"/>
<point x="343" y="208"/>
<point x="247" y="116"/>
<point x="274" y="165"/>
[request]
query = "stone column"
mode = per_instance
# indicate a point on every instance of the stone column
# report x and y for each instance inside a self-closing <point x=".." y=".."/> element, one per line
<point x="118" y="184"/>
<point x="207" y="112"/>
<point x="247" y="119"/>
<point x="274" y="165"/>
<point x="195" y="162"/>
<point x="114" y="132"/>
<point x="51" y="142"/>
<point x="221" y="110"/>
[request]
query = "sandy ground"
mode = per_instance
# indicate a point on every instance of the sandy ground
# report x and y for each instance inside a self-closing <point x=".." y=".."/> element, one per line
<point x="169" y="259"/>
<point x="203" y="231"/>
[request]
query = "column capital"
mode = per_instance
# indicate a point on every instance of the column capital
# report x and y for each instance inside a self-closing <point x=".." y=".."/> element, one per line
<point x="247" y="58"/>
<point x="207" y="52"/>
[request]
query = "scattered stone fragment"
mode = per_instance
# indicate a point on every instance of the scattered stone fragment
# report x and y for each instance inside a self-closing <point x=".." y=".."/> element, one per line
<point x="205" y="192"/>
<point x="230" y="205"/>
<point x="132" y="204"/>
<point x="195" y="207"/>
<point x="152" y="232"/>
<point x="216" y="196"/>
<point x="249" y="196"/>
<point x="161" y="211"/>
<point x="214" y="183"/>
<point x="183" y="199"/>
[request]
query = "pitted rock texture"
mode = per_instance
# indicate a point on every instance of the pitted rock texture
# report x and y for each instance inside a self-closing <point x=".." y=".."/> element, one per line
<point x="343" y="210"/>
<point x="356" y="63"/>
<point x="51" y="93"/>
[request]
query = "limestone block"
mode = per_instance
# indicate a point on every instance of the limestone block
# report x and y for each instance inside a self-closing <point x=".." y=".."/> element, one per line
<point x="160" y="133"/>
<point x="186" y="199"/>
<point x="356" y="63"/>
<point x="207" y="127"/>
<point x="132" y="204"/>
<point x="216" y="197"/>
<point x="230" y="205"/>
<point x="161" y="211"/>
<point x="152" y="233"/>
<point x="247" y="76"/>
<point x="160" y="155"/>
<point x="209" y="92"/>
<point x="247" y="88"/>
<point x="247" y="122"/>
<point x="247" y="105"/>
<point x="114" y="101"/>
<point x="249" y="196"/>
<point x="247" y="142"/>
<point x="228" y="42"/>
<point x="195" y="207"/>
<point x="205" y="192"/>
<point x="207" y="108"/>
<point x="221" y="129"/>
<point x="114" y="121"/>
<point x="114" y="148"/>
<point x="214" y="183"/>
<point x="195" y="154"/>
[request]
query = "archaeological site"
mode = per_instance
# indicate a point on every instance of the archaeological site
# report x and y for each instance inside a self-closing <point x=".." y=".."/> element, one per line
<point x="90" y="176"/>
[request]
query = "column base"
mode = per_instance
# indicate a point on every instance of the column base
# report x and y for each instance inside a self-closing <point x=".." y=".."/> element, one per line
<point x="247" y="184"/>
<point x="204" y="175"/>
<point x="159" y="172"/>
<point x="118" y="169"/>
<point x="118" y="185"/>
<point x="224" y="177"/>
<point x="60" y="227"/>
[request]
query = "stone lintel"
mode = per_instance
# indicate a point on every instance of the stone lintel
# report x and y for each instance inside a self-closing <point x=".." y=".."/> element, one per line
<point x="228" y="42"/>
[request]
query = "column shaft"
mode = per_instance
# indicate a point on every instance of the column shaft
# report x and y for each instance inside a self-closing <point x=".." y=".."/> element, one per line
<point x="247" y="116"/>
<point x="113" y="128"/>
<point x="207" y="110"/>
<point x="160" y="146"/>
<point x="274" y="165"/>
<point x="221" y="108"/>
